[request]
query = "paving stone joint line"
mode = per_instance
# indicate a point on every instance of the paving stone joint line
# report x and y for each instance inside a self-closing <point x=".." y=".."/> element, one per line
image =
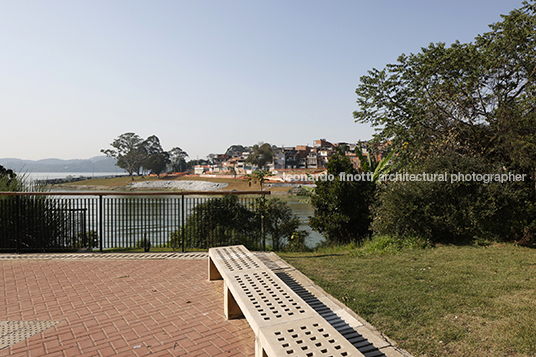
<point x="105" y="256"/>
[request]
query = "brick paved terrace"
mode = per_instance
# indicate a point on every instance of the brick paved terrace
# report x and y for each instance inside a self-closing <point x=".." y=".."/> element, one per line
<point x="104" y="307"/>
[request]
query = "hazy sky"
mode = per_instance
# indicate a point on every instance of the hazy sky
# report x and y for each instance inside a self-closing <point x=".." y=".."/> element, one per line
<point x="204" y="75"/>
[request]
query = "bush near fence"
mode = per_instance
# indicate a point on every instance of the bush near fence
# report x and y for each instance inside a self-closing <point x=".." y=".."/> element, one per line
<point x="44" y="221"/>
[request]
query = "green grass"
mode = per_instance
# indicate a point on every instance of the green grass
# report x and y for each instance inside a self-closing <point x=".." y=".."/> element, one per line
<point x="444" y="301"/>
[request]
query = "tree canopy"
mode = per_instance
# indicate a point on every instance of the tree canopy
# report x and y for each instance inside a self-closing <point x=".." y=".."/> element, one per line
<point x="128" y="150"/>
<point x="261" y="155"/>
<point x="341" y="206"/>
<point x="467" y="107"/>
<point x="133" y="153"/>
<point x="156" y="159"/>
<point x="468" y="98"/>
<point x="8" y="179"/>
<point x="177" y="157"/>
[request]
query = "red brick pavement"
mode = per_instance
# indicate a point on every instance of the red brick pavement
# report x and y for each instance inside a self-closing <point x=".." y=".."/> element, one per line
<point x="120" y="307"/>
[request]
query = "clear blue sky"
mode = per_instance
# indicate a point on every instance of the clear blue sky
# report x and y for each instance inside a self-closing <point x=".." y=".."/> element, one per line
<point x="204" y="75"/>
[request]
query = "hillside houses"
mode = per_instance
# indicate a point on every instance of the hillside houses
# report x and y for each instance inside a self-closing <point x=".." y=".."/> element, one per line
<point x="297" y="157"/>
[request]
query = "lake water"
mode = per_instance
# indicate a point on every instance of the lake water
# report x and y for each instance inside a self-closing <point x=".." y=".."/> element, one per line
<point x="301" y="209"/>
<point x="61" y="175"/>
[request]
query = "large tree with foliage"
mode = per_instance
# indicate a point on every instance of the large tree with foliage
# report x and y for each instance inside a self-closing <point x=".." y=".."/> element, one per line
<point x="342" y="206"/>
<point x="177" y="158"/>
<point x="468" y="102"/>
<point x="152" y="146"/>
<point x="468" y="98"/>
<point x="156" y="159"/>
<point x="218" y="222"/>
<point x="280" y="222"/>
<point x="128" y="150"/>
<point x="155" y="163"/>
<point x="261" y="155"/>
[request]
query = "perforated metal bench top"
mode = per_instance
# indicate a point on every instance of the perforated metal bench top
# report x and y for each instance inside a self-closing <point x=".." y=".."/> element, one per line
<point x="285" y="325"/>
<point x="309" y="337"/>
<point x="235" y="259"/>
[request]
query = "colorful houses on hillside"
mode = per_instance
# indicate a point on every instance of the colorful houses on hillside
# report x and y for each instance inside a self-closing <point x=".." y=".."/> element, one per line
<point x="286" y="158"/>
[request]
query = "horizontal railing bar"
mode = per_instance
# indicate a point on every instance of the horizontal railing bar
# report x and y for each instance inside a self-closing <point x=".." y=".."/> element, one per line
<point x="137" y="193"/>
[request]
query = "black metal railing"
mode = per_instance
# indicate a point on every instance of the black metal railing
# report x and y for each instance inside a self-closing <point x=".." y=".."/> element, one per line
<point x="67" y="221"/>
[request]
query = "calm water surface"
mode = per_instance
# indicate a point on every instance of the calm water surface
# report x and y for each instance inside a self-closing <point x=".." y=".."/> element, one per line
<point x="301" y="209"/>
<point x="60" y="175"/>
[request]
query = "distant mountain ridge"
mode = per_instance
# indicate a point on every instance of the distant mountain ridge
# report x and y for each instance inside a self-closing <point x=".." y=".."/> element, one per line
<point x="95" y="164"/>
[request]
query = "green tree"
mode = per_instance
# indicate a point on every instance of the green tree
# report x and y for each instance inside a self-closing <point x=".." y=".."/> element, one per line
<point x="178" y="157"/>
<point x="156" y="159"/>
<point x="280" y="222"/>
<point x="227" y="221"/>
<point x="128" y="150"/>
<point x="8" y="179"/>
<point x="341" y="206"/>
<point x="467" y="99"/>
<point x="190" y="165"/>
<point x="218" y="222"/>
<point x="454" y="211"/>
<point x="472" y="101"/>
<point x="210" y="158"/>
<point x="260" y="156"/>
<point x="510" y="51"/>
<point x="258" y="176"/>
<point x="155" y="163"/>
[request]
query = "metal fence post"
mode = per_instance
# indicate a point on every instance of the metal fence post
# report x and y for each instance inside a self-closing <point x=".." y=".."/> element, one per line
<point x="101" y="230"/>
<point x="263" y="233"/>
<point x="17" y="222"/>
<point x="183" y="221"/>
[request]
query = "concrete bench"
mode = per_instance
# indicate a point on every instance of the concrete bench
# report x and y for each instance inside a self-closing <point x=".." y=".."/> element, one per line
<point x="284" y="324"/>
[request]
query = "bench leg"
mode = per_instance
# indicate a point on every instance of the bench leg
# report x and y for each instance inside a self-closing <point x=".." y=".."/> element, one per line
<point x="230" y="307"/>
<point x="259" y="351"/>
<point x="213" y="273"/>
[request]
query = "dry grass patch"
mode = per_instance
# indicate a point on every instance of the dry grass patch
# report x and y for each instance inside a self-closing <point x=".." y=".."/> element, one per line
<point x="238" y="184"/>
<point x="114" y="182"/>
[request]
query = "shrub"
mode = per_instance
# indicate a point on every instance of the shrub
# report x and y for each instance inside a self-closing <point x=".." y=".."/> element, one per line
<point x="175" y="239"/>
<point x="88" y="239"/>
<point x="217" y="222"/>
<point x="342" y="208"/>
<point x="385" y="244"/>
<point x="451" y="212"/>
<point x="226" y="221"/>
<point x="296" y="242"/>
<point x="33" y="223"/>
<point x="144" y="243"/>
<point x="279" y="222"/>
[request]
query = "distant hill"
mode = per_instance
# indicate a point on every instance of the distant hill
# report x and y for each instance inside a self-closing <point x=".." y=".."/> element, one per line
<point x="95" y="164"/>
